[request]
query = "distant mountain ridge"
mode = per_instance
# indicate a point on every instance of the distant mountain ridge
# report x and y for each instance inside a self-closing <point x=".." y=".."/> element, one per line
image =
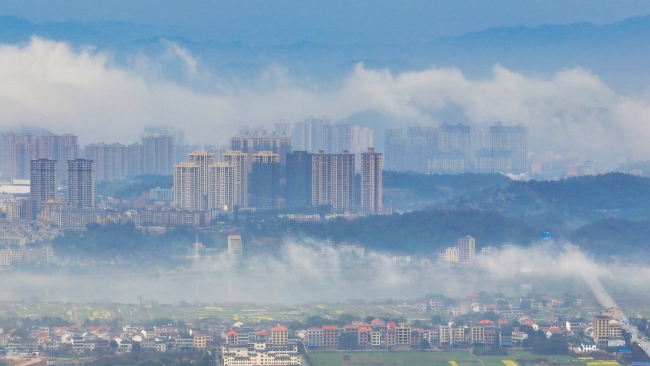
<point x="616" y="52"/>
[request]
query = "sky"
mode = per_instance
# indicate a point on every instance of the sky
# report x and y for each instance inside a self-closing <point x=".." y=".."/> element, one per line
<point x="334" y="21"/>
<point x="68" y="89"/>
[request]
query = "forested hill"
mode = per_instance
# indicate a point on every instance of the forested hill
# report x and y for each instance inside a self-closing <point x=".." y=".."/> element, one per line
<point x="614" y="237"/>
<point x="587" y="198"/>
<point x="438" y="186"/>
<point x="427" y="232"/>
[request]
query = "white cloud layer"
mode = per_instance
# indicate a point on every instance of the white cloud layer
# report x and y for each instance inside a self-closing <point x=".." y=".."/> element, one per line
<point x="303" y="273"/>
<point x="49" y="84"/>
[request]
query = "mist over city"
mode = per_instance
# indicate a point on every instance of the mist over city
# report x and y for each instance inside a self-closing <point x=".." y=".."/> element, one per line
<point x="343" y="183"/>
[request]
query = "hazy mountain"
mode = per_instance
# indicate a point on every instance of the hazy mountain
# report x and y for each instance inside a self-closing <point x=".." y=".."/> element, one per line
<point x="616" y="52"/>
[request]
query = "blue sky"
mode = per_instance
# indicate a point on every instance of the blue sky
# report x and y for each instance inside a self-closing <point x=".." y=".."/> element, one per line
<point x="333" y="21"/>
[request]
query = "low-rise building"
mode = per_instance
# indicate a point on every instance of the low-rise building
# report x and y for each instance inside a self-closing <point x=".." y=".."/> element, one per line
<point x="260" y="354"/>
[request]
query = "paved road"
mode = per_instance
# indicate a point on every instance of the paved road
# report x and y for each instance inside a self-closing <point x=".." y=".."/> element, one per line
<point x="606" y="301"/>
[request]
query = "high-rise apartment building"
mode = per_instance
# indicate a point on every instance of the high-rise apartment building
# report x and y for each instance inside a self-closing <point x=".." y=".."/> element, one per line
<point x="453" y="155"/>
<point x="81" y="187"/>
<point x="411" y="152"/>
<point x="298" y="173"/>
<point x="115" y="161"/>
<point x="182" y="151"/>
<point x="192" y="181"/>
<point x="202" y="159"/>
<point x="282" y="129"/>
<point x="466" y="250"/>
<point x="235" y="245"/>
<point x="313" y="134"/>
<point x="110" y="161"/>
<point x="158" y="154"/>
<point x="161" y="130"/>
<point x="134" y="160"/>
<point x="265" y="180"/>
<point x="362" y="138"/>
<point x="221" y="191"/>
<point x="201" y="183"/>
<point x="17" y="150"/>
<point x="371" y="181"/>
<point x="259" y="140"/>
<point x="43" y="181"/>
<point x="394" y="148"/>
<point x="343" y="137"/>
<point x="513" y="141"/>
<point x="60" y="148"/>
<point x="333" y="180"/>
<point x="187" y="187"/>
<point x="238" y="162"/>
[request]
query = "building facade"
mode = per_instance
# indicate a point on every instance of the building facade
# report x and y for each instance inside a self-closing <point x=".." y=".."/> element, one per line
<point x="333" y="178"/>
<point x="265" y="182"/>
<point x="466" y="250"/>
<point x="299" y="179"/>
<point x="371" y="181"/>
<point x="238" y="163"/>
<point x="81" y="186"/>
<point x="253" y="142"/>
<point x="235" y="245"/>
<point x="43" y="181"/>
<point x="158" y="154"/>
<point x="512" y="141"/>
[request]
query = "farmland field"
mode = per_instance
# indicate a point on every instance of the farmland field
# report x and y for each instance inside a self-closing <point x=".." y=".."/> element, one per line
<point x="438" y="358"/>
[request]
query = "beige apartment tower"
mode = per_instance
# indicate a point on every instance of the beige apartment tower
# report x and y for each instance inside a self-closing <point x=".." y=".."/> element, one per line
<point x="601" y="330"/>
<point x="235" y="245"/>
<point x="333" y="180"/>
<point x="187" y="187"/>
<point x="192" y="181"/>
<point x="221" y="189"/>
<point x="238" y="161"/>
<point x="371" y="181"/>
<point x="279" y="335"/>
<point x="201" y="183"/>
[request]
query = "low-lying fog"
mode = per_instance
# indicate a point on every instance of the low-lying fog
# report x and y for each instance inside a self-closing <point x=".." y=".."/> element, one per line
<point x="320" y="273"/>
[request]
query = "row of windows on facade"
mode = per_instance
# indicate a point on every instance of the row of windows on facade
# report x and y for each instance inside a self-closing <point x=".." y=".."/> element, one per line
<point x="155" y="155"/>
<point x="458" y="148"/>
<point x="305" y="180"/>
<point x="43" y="182"/>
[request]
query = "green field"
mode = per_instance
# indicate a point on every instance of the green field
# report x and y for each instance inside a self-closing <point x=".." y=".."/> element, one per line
<point x="439" y="358"/>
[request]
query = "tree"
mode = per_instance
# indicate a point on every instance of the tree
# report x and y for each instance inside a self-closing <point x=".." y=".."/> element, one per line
<point x="424" y="344"/>
<point x="347" y="318"/>
<point x="348" y="341"/>
<point x="113" y="344"/>
<point x="136" y="347"/>
<point x="638" y="354"/>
